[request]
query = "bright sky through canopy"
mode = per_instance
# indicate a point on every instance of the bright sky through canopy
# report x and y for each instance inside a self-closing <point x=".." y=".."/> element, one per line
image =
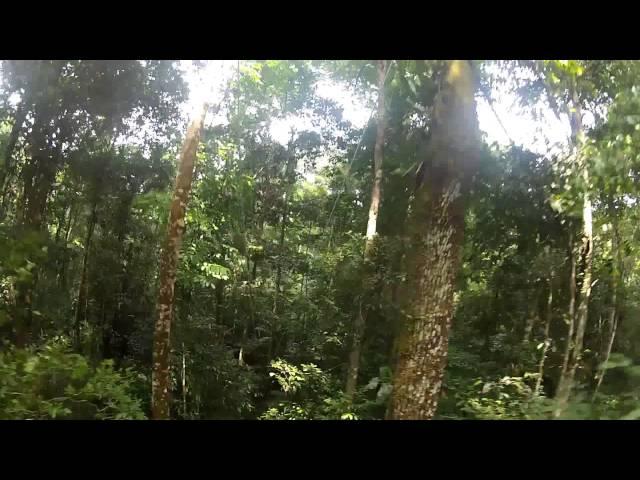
<point x="540" y="136"/>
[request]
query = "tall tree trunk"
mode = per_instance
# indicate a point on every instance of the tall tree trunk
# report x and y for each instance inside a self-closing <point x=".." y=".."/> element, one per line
<point x="582" y="314"/>
<point x="161" y="377"/>
<point x="374" y="206"/>
<point x="437" y="224"/>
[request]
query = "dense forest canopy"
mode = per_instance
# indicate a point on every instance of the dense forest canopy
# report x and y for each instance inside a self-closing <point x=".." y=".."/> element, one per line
<point x="373" y="239"/>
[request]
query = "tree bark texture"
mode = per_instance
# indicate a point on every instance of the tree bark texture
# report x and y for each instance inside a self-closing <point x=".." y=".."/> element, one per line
<point x="436" y="224"/>
<point x="161" y="377"/>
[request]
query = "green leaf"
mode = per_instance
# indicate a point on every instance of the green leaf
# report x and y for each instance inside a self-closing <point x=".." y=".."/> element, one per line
<point x="373" y="384"/>
<point x="633" y="415"/>
<point x="617" y="360"/>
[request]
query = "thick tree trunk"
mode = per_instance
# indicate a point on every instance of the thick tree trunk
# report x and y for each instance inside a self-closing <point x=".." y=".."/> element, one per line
<point x="161" y="377"/>
<point x="374" y="206"/>
<point x="436" y="223"/>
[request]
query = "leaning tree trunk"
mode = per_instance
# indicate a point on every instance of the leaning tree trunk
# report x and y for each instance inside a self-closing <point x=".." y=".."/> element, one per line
<point x="567" y="381"/>
<point x="376" y="189"/>
<point x="437" y="224"/>
<point x="161" y="381"/>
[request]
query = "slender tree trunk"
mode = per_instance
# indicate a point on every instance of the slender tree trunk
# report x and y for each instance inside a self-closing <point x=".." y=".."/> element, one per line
<point x="62" y="272"/>
<point x="354" y="354"/>
<point x="571" y="316"/>
<point x="547" y="339"/>
<point x="437" y="230"/>
<point x="275" y="324"/>
<point x="184" y="383"/>
<point x="374" y="206"/>
<point x="289" y="179"/>
<point x="62" y="221"/>
<point x="617" y="279"/>
<point x="585" y="291"/>
<point x="219" y="296"/>
<point x="81" y="305"/>
<point x="115" y="326"/>
<point x="532" y="317"/>
<point x="283" y="229"/>
<point x="582" y="314"/>
<point x="491" y="318"/>
<point x="161" y="377"/>
<point x="103" y="322"/>
<point x="613" y="324"/>
<point x="7" y="172"/>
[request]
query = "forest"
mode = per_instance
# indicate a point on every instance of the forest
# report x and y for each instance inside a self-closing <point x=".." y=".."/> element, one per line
<point x="209" y="240"/>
